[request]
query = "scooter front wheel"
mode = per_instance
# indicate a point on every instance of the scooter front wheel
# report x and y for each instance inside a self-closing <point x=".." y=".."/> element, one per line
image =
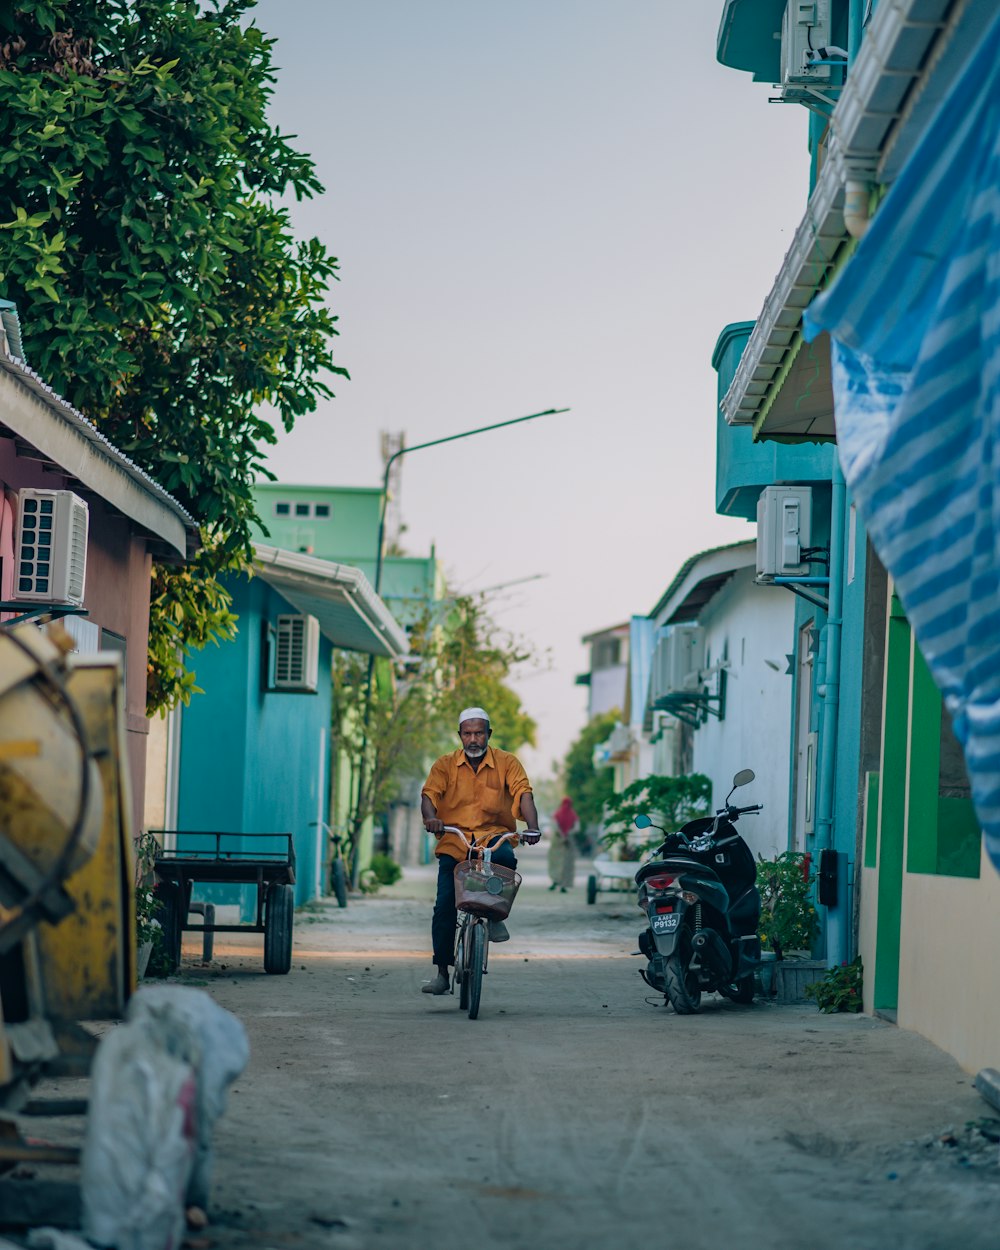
<point x="682" y="984"/>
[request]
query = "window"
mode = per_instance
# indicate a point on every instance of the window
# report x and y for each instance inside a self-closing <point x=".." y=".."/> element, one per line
<point x="303" y="509"/>
<point x="606" y="653"/>
<point x="282" y="509"/>
<point x="322" y="509"/>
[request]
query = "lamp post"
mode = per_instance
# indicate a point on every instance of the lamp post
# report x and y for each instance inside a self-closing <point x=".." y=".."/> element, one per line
<point x="404" y="451"/>
<point x="436" y="442"/>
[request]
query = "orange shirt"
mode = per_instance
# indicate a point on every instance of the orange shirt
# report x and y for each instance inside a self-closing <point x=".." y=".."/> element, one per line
<point x="482" y="802"/>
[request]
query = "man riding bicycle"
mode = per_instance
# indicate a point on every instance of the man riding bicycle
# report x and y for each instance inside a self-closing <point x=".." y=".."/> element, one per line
<point x="484" y="791"/>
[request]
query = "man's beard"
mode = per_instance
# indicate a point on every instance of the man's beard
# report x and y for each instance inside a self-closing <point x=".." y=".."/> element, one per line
<point x="475" y="753"/>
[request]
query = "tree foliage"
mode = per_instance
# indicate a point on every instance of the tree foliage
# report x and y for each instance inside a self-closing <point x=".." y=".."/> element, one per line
<point x="669" y="801"/>
<point x="153" y="264"/>
<point x="457" y="662"/>
<point x="588" y="787"/>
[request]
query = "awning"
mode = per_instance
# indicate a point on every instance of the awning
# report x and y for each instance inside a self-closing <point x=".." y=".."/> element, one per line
<point x="350" y="614"/>
<point x="910" y="57"/>
<point x="915" y="320"/>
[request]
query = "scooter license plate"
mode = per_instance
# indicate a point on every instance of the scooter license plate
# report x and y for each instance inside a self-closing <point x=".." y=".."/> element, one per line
<point x="666" y="923"/>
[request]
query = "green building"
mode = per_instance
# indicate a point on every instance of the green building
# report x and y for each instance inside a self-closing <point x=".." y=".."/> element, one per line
<point x="341" y="524"/>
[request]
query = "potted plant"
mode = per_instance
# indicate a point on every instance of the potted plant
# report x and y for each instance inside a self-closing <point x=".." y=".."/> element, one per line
<point x="788" y="920"/>
<point x="788" y="926"/>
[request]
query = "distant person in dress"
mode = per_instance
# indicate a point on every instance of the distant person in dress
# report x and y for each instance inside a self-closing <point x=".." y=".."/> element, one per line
<point x="562" y="850"/>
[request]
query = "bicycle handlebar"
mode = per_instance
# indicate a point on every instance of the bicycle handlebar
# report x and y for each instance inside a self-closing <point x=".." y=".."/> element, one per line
<point x="501" y="837"/>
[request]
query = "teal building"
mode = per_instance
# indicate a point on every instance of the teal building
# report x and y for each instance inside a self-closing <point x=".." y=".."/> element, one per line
<point x="254" y="751"/>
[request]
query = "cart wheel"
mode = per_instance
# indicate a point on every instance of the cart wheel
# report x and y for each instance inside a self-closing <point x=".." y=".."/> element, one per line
<point x="591" y="889"/>
<point x="339" y="879"/>
<point x="168" y="913"/>
<point x="279" y="915"/>
<point x="208" y="937"/>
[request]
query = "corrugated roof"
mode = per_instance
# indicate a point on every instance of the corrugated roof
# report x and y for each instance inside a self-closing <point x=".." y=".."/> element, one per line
<point x="78" y="448"/>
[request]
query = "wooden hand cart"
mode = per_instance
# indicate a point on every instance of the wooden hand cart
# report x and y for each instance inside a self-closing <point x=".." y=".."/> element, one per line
<point x="266" y="860"/>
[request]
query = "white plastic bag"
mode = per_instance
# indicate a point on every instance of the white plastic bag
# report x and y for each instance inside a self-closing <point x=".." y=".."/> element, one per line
<point x="159" y="1084"/>
<point x="215" y="1043"/>
<point x="139" y="1144"/>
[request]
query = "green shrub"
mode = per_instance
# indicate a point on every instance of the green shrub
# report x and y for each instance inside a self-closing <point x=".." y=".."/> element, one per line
<point x="385" y="868"/>
<point x="840" y="989"/>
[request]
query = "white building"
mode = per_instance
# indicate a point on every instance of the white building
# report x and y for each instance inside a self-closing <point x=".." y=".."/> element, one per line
<point x="720" y="689"/>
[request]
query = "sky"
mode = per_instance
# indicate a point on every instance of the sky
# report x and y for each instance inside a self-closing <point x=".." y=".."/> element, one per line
<point x="535" y="204"/>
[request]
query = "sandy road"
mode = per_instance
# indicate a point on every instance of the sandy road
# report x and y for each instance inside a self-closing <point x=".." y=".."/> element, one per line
<point x="572" y="1113"/>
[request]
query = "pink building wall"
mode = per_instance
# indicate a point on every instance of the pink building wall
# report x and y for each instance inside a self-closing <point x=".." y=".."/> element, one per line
<point x="119" y="566"/>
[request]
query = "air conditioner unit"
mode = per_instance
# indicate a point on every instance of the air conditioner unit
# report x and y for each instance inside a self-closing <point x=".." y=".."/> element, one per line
<point x="784" y="519"/>
<point x="296" y="653"/>
<point x="51" y="549"/>
<point x="805" y="29"/>
<point x="677" y="662"/>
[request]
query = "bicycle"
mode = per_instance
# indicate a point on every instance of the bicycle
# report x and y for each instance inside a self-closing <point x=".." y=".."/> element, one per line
<point x="338" y="870"/>
<point x="484" y="891"/>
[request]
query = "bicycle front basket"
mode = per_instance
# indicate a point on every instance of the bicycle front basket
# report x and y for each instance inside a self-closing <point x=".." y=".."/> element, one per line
<point x="485" y="889"/>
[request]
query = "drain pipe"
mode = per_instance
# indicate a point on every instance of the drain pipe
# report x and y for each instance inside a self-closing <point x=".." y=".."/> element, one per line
<point x="836" y="920"/>
<point x="857" y="193"/>
<point x="857" y="207"/>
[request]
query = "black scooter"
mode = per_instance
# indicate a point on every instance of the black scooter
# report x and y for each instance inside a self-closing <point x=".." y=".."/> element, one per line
<point x="700" y="897"/>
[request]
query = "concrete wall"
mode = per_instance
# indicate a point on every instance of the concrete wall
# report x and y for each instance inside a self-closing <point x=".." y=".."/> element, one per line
<point x="751" y="625"/>
<point x="949" y="937"/>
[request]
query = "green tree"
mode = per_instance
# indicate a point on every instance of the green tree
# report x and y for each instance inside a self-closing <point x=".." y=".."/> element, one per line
<point x="588" y="787"/>
<point x="151" y="258"/>
<point x="669" y="801"/>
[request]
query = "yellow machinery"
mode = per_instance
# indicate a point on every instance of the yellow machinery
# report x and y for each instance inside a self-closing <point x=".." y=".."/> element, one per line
<point x="67" y="930"/>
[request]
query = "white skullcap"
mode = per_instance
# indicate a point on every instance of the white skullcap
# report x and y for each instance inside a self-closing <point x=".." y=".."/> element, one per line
<point x="472" y="713"/>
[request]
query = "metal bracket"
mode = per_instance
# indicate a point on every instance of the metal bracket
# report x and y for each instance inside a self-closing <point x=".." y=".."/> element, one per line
<point x="696" y="707"/>
<point x="795" y="584"/>
<point x="52" y="610"/>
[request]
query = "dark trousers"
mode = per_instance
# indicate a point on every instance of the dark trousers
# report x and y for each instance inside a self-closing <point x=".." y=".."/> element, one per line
<point x="445" y="913"/>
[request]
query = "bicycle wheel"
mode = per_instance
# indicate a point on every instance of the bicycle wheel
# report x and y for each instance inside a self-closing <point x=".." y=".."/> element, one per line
<point x="461" y="975"/>
<point x="474" y="966"/>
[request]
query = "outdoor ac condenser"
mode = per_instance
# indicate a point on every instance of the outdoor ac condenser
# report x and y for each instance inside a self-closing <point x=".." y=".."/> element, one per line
<point x="805" y="29"/>
<point x="784" y="518"/>
<point x="677" y="661"/>
<point x="296" y="653"/>
<point x="51" y="547"/>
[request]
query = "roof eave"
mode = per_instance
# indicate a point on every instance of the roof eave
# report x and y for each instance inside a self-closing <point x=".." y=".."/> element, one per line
<point x="699" y="569"/>
<point x="867" y="124"/>
<point x="336" y="581"/>
<point x="36" y="415"/>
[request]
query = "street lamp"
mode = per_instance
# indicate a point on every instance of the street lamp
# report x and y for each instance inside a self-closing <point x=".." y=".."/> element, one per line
<point x="436" y="442"/>
<point x="404" y="451"/>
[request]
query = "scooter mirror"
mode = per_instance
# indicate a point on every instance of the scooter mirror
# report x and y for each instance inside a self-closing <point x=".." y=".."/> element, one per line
<point x="642" y="821"/>
<point x="743" y="778"/>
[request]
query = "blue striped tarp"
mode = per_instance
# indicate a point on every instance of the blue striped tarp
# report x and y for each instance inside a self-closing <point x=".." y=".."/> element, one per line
<point x="915" y="323"/>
